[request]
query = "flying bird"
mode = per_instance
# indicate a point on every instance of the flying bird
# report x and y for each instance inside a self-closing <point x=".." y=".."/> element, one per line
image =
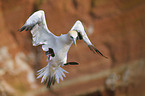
<point x="55" y="47"/>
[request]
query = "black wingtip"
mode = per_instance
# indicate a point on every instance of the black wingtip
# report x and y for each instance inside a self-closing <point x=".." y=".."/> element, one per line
<point x="100" y="53"/>
<point x="27" y="27"/>
<point x="22" y="28"/>
<point x="93" y="49"/>
<point x="71" y="63"/>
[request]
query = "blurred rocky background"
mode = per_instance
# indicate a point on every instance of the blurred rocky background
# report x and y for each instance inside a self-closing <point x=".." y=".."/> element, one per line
<point x="116" y="27"/>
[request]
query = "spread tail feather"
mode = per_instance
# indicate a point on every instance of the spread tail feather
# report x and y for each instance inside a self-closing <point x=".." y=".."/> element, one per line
<point x="50" y="74"/>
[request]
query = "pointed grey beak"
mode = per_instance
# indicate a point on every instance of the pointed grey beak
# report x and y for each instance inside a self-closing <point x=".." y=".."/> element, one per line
<point x="74" y="40"/>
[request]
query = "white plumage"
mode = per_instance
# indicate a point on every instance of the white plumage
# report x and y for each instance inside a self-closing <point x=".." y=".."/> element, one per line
<point x="56" y="47"/>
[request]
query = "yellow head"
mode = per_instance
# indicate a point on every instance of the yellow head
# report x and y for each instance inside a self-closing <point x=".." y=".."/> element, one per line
<point x="73" y="35"/>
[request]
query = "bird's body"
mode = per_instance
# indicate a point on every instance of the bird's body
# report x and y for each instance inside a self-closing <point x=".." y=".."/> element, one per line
<point x="61" y="48"/>
<point x="56" y="47"/>
<point x="62" y="45"/>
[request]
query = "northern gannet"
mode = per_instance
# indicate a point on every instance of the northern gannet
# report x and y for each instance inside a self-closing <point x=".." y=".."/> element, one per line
<point x="55" y="47"/>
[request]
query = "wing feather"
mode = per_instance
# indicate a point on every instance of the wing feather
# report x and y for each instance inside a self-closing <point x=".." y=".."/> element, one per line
<point x="78" y="26"/>
<point x="41" y="35"/>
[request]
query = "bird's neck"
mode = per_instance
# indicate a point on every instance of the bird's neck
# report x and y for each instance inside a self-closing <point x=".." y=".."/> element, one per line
<point x="67" y="40"/>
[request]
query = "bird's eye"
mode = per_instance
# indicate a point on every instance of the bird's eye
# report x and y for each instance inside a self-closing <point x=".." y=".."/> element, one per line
<point x="71" y="37"/>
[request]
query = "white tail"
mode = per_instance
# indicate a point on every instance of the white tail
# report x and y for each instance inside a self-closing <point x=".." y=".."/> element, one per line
<point x="49" y="74"/>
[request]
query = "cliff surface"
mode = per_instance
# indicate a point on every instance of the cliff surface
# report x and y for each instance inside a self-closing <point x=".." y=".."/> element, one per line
<point x="116" y="28"/>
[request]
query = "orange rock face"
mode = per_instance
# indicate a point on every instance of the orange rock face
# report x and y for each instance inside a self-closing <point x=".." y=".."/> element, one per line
<point x="116" y="28"/>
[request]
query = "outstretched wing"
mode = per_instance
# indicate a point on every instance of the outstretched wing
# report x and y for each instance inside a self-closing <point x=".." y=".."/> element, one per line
<point x="41" y="35"/>
<point x="78" y="26"/>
